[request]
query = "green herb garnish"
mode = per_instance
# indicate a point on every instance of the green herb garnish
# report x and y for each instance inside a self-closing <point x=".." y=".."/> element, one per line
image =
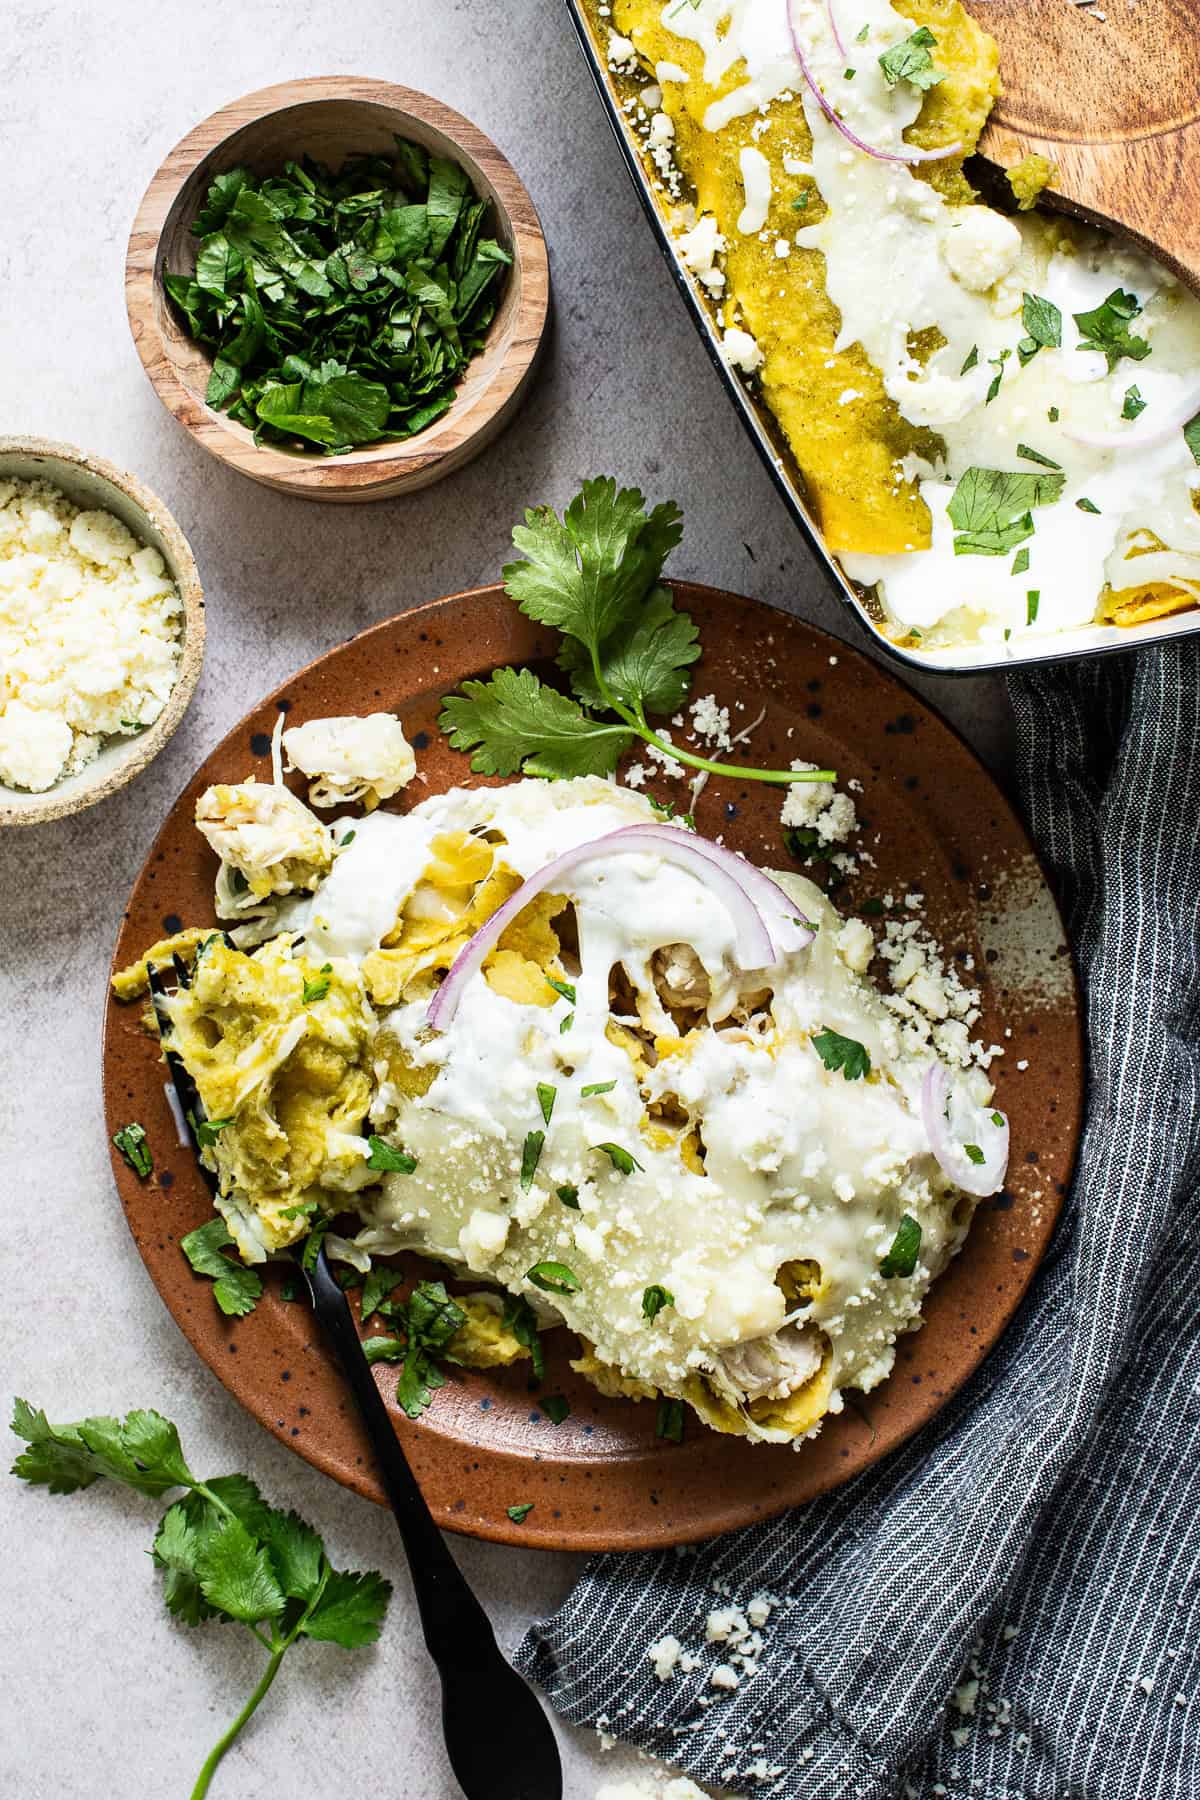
<point x="1133" y="404"/>
<point x="520" y="1319"/>
<point x="131" y="1142"/>
<point x="556" y="1407"/>
<point x="594" y="576"/>
<point x="315" y="989"/>
<point x="341" y="309"/>
<point x="997" y="1118"/>
<point x="518" y="1514"/>
<point x="970" y="360"/>
<point x="901" y="1259"/>
<point x="990" y="508"/>
<point x="553" y="1278"/>
<point x="910" y="61"/>
<point x="997" y="363"/>
<point x="1106" y="328"/>
<point x="1043" y="324"/>
<point x="596" y="1087"/>
<point x="844" y="1053"/>
<point x="1087" y="506"/>
<point x="209" y="1130"/>
<point x="1053" y="414"/>
<point x="1035" y="456"/>
<point x="1032" y="600"/>
<point x="566" y="1024"/>
<point x="654" y="1299"/>
<point x="1191" y="437"/>
<point x="387" y="1160"/>
<point x="974" y="1153"/>
<point x="236" y="1288"/>
<point x="621" y="1160"/>
<point x="223" y="1552"/>
<point x="378" y="1285"/>
<point x="546" y="1098"/>
<point x="1021" y="560"/>
<point x="565" y="988"/>
<point x="568" y="1193"/>
<point x="531" y="1155"/>
<point x="427" y="1321"/>
<point x="668" y="1419"/>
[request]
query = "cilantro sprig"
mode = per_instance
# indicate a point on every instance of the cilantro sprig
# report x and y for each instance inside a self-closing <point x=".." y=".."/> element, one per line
<point x="223" y="1552"/>
<point x="425" y="1324"/>
<point x="1106" y="328"/>
<point x="910" y="60"/>
<point x="594" y="576"/>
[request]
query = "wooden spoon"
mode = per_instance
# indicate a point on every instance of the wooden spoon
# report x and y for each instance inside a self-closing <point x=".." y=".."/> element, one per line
<point x="1109" y="90"/>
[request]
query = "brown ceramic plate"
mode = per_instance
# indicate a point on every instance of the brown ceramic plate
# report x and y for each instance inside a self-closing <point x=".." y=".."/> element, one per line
<point x="936" y="823"/>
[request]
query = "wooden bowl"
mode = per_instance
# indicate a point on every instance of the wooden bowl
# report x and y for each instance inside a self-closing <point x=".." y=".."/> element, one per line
<point x="329" y="117"/>
<point x="89" y="481"/>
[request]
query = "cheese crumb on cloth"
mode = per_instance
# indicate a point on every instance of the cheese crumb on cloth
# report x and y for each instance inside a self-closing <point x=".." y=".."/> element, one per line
<point x="1008" y="1608"/>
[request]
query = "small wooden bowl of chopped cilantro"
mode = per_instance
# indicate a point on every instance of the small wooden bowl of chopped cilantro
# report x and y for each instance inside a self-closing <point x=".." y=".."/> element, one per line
<point x="339" y="287"/>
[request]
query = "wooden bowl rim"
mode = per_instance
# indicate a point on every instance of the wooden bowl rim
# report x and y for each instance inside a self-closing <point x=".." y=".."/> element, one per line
<point x="143" y="748"/>
<point x="294" y="471"/>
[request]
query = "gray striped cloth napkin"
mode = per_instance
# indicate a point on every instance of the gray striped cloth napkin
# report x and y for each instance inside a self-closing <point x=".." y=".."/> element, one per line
<point x="1009" y="1607"/>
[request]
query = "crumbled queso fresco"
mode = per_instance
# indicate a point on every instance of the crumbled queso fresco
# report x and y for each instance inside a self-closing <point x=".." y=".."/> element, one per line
<point x="89" y="634"/>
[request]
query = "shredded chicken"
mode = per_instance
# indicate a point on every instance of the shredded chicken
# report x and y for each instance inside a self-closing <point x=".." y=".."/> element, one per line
<point x="771" y="1368"/>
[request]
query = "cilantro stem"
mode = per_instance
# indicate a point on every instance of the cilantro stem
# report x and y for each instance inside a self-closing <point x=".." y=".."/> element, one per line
<point x="737" y="770"/>
<point x="222" y="1744"/>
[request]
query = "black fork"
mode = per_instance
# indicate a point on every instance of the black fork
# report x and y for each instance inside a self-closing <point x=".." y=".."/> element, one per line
<point x="499" y="1741"/>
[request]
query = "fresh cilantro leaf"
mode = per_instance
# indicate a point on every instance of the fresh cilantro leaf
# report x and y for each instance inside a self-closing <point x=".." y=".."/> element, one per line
<point x="142" y="1452"/>
<point x="531" y="1155"/>
<point x="911" y="61"/>
<point x="997" y="1118"/>
<point x="654" y="1299"/>
<point x="1035" y="456"/>
<point x="1191" y="437"/>
<point x="622" y="1160"/>
<point x="419" y="1380"/>
<point x="383" y="1349"/>
<point x="209" y="1130"/>
<point x="296" y="1553"/>
<point x="646" y="670"/>
<point x="519" y="1513"/>
<point x="844" y="1053"/>
<point x="315" y="989"/>
<point x="565" y="988"/>
<point x="1086" y="505"/>
<point x="546" y="1098"/>
<point x="376" y="1288"/>
<point x="236" y="1576"/>
<point x="556" y="1408"/>
<point x="303" y="1209"/>
<point x="386" y="1159"/>
<point x="236" y="1289"/>
<point x="901" y="1259"/>
<point x="569" y="1195"/>
<point x="596" y="1087"/>
<point x="350" y="1611"/>
<point x="131" y="1142"/>
<point x="974" y="1153"/>
<point x="515" y="724"/>
<point x="1032" y="601"/>
<point x="1021" y="561"/>
<point x="519" y="1318"/>
<point x="990" y="508"/>
<point x="1106" y="328"/>
<point x="1133" y="404"/>
<point x="803" y="843"/>
<point x="1042" y="321"/>
<point x="433" y="1317"/>
<point x="553" y="1278"/>
<point x="970" y="360"/>
<point x="668" y="1420"/>
<point x="175" y="1551"/>
<point x="997" y="363"/>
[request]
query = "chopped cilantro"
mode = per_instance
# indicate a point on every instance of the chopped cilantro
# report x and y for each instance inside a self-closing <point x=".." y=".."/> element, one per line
<point x="1032" y="600"/>
<point x="553" y="1278"/>
<point x="1087" y="506"/>
<point x="1106" y="328"/>
<point x="566" y="1024"/>
<point x="235" y="1287"/>
<point x="1042" y="321"/>
<point x="518" y="1514"/>
<point x="387" y="1160"/>
<point x="315" y="990"/>
<point x="546" y="1098"/>
<point x="668" y="1420"/>
<point x="901" y="1259"/>
<point x="1035" y="456"/>
<point x="971" y="359"/>
<point x="974" y="1153"/>
<point x="860" y="37"/>
<point x="1053" y="414"/>
<point x="565" y="988"/>
<point x="345" y="841"/>
<point x="654" y="1299"/>
<point x="568" y="1193"/>
<point x="621" y="1160"/>
<point x="520" y="1319"/>
<point x="596" y="1087"/>
<point x="990" y="508"/>
<point x="1021" y="560"/>
<point x="1134" y="404"/>
<point x="209" y="1130"/>
<point x="844" y="1053"/>
<point x="997" y="1118"/>
<point x="1191" y="437"/>
<point x="997" y="363"/>
<point x="131" y="1142"/>
<point x="910" y="61"/>
<point x="531" y="1155"/>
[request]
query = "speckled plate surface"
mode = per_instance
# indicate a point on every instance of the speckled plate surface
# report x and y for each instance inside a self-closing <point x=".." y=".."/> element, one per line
<point x="935" y="823"/>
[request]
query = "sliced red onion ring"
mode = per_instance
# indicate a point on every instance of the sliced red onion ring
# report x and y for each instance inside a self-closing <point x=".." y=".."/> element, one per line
<point x="1160" y="431"/>
<point x="909" y="154"/>
<point x="754" y="945"/>
<point x="833" y="26"/>
<point x="976" y="1126"/>
<point x="767" y="896"/>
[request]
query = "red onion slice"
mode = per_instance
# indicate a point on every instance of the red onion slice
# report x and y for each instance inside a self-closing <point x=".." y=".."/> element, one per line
<point x="1159" y="432"/>
<point x="833" y="26"/>
<point x="754" y="945"/>
<point x="768" y="897"/>
<point x="972" y="1124"/>
<point x="909" y="154"/>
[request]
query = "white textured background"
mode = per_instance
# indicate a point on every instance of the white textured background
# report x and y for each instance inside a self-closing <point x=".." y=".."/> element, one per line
<point x="103" y="1695"/>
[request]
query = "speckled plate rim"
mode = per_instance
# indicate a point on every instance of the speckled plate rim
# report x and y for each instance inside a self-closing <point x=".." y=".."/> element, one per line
<point x="601" y="1480"/>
